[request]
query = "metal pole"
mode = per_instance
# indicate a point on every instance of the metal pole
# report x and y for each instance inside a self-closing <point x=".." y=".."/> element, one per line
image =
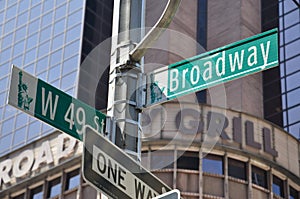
<point x="125" y="77"/>
<point x="125" y="95"/>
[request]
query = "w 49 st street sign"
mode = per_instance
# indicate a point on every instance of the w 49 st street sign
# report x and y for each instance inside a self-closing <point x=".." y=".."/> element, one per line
<point x="221" y="65"/>
<point x="47" y="103"/>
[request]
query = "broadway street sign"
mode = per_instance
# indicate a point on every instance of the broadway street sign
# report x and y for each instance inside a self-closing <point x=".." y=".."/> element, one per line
<point x="47" y="103"/>
<point x="111" y="170"/>
<point x="221" y="65"/>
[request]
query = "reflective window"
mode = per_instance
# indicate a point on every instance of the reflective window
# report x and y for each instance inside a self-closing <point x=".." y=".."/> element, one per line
<point x="293" y="81"/>
<point x="59" y="27"/>
<point x="56" y="57"/>
<point x="19" y="136"/>
<point x="74" y="19"/>
<point x="289" y="5"/>
<point x="294" y="194"/>
<point x="58" y="41"/>
<point x="54" y="188"/>
<point x="33" y="27"/>
<point x="237" y="169"/>
<point x="213" y="164"/>
<point x="259" y="177"/>
<point x="29" y="68"/>
<point x="72" y="49"/>
<point x="7" y="41"/>
<point x="291" y="18"/>
<point x="60" y="12"/>
<point x="42" y="64"/>
<point x="2" y="98"/>
<point x="5" y="143"/>
<point x="3" y="83"/>
<point x="293" y="65"/>
<point x="73" y="33"/>
<point x="4" y="70"/>
<point x="69" y="80"/>
<point x="294" y="130"/>
<point x="30" y="56"/>
<point x="27" y="40"/>
<point x="35" y="12"/>
<point x="74" y="5"/>
<point x="292" y="33"/>
<point x="73" y="179"/>
<point x="5" y="55"/>
<point x="34" y="130"/>
<point x="293" y="97"/>
<point x="9" y="26"/>
<point x="44" y="49"/>
<point x="11" y="12"/>
<point x="277" y="186"/>
<point x="54" y="73"/>
<point x="70" y="65"/>
<point x="23" y="5"/>
<point x="292" y="49"/>
<point x="1" y="15"/>
<point x="7" y="126"/>
<point x="32" y="41"/>
<point x="22" y="19"/>
<point x="21" y="120"/>
<point x="36" y="193"/>
<point x="45" y="34"/>
<point x="48" y="5"/>
<point x="34" y="2"/>
<point x="20" y="33"/>
<point x="47" y="19"/>
<point x="294" y="115"/>
<point x="9" y="111"/>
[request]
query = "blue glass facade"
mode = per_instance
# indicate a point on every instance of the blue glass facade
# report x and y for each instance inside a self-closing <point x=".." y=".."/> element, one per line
<point x="289" y="26"/>
<point x="281" y="84"/>
<point x="44" y="38"/>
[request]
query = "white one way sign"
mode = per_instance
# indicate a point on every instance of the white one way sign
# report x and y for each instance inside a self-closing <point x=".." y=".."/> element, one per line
<point x="112" y="171"/>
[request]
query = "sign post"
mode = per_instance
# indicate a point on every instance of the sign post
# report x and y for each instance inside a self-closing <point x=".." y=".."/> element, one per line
<point x="236" y="60"/>
<point x="49" y="104"/>
<point x="111" y="170"/>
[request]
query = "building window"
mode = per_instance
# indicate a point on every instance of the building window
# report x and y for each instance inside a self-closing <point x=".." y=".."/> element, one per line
<point x="36" y="193"/>
<point x="277" y="186"/>
<point x="237" y="169"/>
<point x="293" y="193"/>
<point x="188" y="160"/>
<point x="73" y="179"/>
<point x="213" y="164"/>
<point x="162" y="160"/>
<point x="54" y="188"/>
<point x="259" y="177"/>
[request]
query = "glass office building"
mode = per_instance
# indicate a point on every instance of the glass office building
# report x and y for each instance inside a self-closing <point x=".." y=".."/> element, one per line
<point x="45" y="38"/>
<point x="282" y="85"/>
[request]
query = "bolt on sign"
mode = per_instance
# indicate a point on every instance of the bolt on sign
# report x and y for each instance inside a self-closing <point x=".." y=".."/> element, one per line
<point x="230" y="62"/>
<point x="53" y="106"/>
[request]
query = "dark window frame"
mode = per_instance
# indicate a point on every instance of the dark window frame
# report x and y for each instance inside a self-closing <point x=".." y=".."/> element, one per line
<point x="237" y="166"/>
<point x="280" y="184"/>
<point x="261" y="177"/>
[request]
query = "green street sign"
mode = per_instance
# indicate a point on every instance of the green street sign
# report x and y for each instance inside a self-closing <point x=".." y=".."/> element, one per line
<point x="236" y="60"/>
<point x="51" y="105"/>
